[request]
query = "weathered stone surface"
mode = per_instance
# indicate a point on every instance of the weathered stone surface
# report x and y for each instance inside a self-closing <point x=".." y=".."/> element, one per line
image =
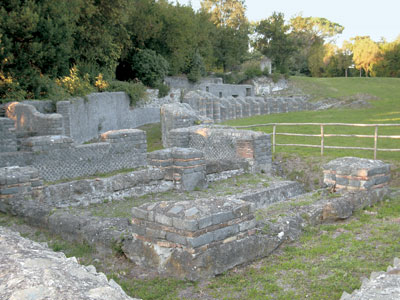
<point x="353" y="173"/>
<point x="31" y="271"/>
<point x="381" y="285"/>
<point x="223" y="143"/>
<point x="185" y="166"/>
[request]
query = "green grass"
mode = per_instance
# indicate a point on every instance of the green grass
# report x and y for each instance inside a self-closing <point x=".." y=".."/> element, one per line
<point x="153" y="134"/>
<point x="384" y="110"/>
<point x="327" y="260"/>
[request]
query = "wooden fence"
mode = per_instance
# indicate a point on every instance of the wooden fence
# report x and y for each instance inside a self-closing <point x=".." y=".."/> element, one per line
<point x="375" y="136"/>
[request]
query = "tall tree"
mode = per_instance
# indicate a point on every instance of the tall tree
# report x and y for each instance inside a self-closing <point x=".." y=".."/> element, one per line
<point x="365" y="53"/>
<point x="231" y="34"/>
<point x="309" y="35"/>
<point x="274" y="41"/>
<point x="230" y="13"/>
<point x="389" y="65"/>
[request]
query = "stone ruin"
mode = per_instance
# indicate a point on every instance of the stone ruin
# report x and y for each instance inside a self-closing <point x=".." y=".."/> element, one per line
<point x="189" y="239"/>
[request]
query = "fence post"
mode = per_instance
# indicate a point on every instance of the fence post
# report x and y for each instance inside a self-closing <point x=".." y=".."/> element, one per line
<point x="322" y="140"/>
<point x="273" y="138"/>
<point x="375" y="141"/>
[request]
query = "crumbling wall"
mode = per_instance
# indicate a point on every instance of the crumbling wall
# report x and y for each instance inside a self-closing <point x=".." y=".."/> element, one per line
<point x="30" y="122"/>
<point x="184" y="166"/>
<point x="228" y="108"/>
<point x="86" y="118"/>
<point x="7" y="136"/>
<point x="221" y="143"/>
<point x="177" y="115"/>
<point x="56" y="157"/>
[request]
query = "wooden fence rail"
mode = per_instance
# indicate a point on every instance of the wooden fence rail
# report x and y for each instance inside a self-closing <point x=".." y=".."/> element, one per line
<point x="322" y="135"/>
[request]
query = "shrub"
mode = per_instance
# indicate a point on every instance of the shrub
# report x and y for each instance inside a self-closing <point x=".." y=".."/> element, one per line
<point x="74" y="84"/>
<point x="100" y="83"/>
<point x="253" y="71"/>
<point x="10" y="89"/>
<point x="135" y="91"/>
<point x="163" y="90"/>
<point x="196" y="69"/>
<point x="149" y="67"/>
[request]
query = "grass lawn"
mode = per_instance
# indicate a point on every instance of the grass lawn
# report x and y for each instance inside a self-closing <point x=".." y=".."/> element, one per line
<point x="384" y="110"/>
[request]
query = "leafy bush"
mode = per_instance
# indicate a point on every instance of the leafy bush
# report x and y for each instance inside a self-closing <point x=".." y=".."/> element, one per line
<point x="135" y="91"/>
<point x="149" y="67"/>
<point x="163" y="90"/>
<point x="74" y="84"/>
<point x="253" y="72"/>
<point x="10" y="89"/>
<point x="196" y="68"/>
<point x="100" y="83"/>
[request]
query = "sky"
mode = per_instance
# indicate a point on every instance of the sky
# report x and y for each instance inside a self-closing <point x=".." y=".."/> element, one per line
<point x="376" y="18"/>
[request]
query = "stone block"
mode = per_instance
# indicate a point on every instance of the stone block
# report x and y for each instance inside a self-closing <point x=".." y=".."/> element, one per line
<point x="201" y="240"/>
<point x="225" y="232"/>
<point x="356" y="173"/>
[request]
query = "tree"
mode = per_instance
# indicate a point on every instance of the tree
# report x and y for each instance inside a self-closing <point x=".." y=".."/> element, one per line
<point x="345" y="57"/>
<point x="389" y="64"/>
<point x="231" y="33"/>
<point x="37" y="41"/>
<point x="320" y="28"/>
<point x="230" y="13"/>
<point x="274" y="41"/>
<point x="365" y="53"/>
<point x="309" y="34"/>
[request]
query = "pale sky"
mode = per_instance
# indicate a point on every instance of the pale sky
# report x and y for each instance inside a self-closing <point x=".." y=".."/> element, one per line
<point x="376" y="18"/>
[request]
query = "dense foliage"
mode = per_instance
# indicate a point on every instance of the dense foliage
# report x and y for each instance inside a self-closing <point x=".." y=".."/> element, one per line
<point x="306" y="46"/>
<point x="54" y="49"/>
<point x="45" y="40"/>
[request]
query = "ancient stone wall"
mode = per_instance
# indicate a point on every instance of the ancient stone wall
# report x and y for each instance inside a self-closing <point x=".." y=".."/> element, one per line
<point x="184" y="83"/>
<point x="7" y="136"/>
<point x="221" y="143"/>
<point x="177" y="115"/>
<point x="56" y="157"/>
<point x="18" y="183"/>
<point x="86" y="118"/>
<point x="30" y="122"/>
<point x="186" y="167"/>
<point x="228" y="108"/>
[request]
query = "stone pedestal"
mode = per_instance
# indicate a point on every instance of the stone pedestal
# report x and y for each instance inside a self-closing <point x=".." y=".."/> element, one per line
<point x="356" y="174"/>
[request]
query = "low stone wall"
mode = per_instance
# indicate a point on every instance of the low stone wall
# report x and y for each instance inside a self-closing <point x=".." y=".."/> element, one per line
<point x="356" y="174"/>
<point x="18" y="183"/>
<point x="90" y="191"/>
<point x="184" y="83"/>
<point x="186" y="167"/>
<point x="30" y="122"/>
<point x="86" y="118"/>
<point x="56" y="157"/>
<point x="7" y="135"/>
<point x="177" y="115"/>
<point x="225" y="143"/>
<point x="228" y="108"/>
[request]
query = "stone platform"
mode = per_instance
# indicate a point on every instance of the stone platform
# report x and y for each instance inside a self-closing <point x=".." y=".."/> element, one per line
<point x="356" y="174"/>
